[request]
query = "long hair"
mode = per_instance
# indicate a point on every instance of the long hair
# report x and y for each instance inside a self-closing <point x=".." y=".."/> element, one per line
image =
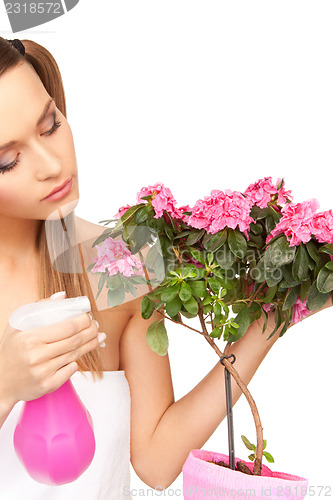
<point x="52" y="279"/>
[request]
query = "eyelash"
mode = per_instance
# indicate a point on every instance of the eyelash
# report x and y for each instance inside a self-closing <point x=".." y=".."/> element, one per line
<point x="55" y="126"/>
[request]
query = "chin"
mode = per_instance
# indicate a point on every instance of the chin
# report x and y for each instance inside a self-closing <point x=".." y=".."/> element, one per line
<point x="63" y="209"/>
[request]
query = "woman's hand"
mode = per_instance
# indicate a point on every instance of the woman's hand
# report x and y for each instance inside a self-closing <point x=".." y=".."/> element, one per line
<point x="36" y="362"/>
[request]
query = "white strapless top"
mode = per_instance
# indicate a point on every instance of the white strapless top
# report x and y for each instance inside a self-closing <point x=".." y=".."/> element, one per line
<point x="108" y="476"/>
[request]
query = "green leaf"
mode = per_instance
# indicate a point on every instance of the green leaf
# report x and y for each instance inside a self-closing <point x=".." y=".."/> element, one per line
<point x="89" y="268"/>
<point x="300" y="267"/>
<point x="268" y="457"/>
<point x="273" y="277"/>
<point x="255" y="311"/>
<point x="252" y="457"/>
<point x="313" y="251"/>
<point x="288" y="281"/>
<point x="101" y="283"/>
<point x="214" y="284"/>
<point x="243" y="319"/>
<point x="327" y="248"/>
<point x="185" y="292"/>
<point x="224" y="257"/>
<point x="143" y="213"/>
<point x="194" y="236"/>
<point x="291" y="297"/>
<point x="305" y="287"/>
<point x="216" y="332"/>
<point x="128" y="214"/>
<point x="325" y="280"/>
<point x="106" y="233"/>
<point x="279" y="253"/>
<point x="191" y="306"/>
<point x="269" y="224"/>
<point x="147" y="307"/>
<point x="266" y="320"/>
<point x="258" y="213"/>
<point x="316" y="300"/>
<point x="206" y="300"/>
<point x="157" y="337"/>
<point x="212" y="242"/>
<point x="170" y="293"/>
<point x="173" y="306"/>
<point x="196" y="254"/>
<point x="270" y="293"/>
<point x="275" y="215"/>
<point x="247" y="443"/>
<point x="116" y="297"/>
<point x="329" y="265"/>
<point x="256" y="228"/>
<point x="237" y="243"/>
<point x="217" y="309"/>
<point x="198" y="288"/>
<point x="226" y="283"/>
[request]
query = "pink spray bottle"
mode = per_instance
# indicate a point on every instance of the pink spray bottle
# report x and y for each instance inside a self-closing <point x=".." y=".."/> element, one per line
<point x="54" y="437"/>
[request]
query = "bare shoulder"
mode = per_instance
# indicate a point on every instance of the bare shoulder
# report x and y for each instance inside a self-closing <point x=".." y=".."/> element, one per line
<point x="87" y="230"/>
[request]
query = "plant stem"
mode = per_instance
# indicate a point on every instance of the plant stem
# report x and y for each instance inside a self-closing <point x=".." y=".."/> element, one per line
<point x="245" y="391"/>
<point x="239" y="382"/>
<point x="178" y="322"/>
<point x="257" y="292"/>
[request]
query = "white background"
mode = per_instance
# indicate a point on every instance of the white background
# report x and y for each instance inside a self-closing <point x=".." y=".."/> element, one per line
<point x="201" y="96"/>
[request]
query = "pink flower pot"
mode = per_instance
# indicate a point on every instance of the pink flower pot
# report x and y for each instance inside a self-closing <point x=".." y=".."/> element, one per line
<point x="202" y="479"/>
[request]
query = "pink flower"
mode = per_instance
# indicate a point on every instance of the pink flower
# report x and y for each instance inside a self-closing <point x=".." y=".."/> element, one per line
<point x="267" y="307"/>
<point x="220" y="210"/>
<point x="162" y="199"/>
<point x="121" y="211"/>
<point x="296" y="222"/>
<point x="115" y="257"/>
<point x="300" y="311"/>
<point x="323" y="226"/>
<point x="184" y="217"/>
<point x="263" y="191"/>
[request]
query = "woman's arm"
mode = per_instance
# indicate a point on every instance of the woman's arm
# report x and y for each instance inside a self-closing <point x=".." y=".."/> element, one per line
<point x="163" y="431"/>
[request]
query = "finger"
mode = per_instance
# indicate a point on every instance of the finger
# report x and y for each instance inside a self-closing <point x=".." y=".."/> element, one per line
<point x="63" y="329"/>
<point x="67" y="351"/>
<point x="61" y="376"/>
<point x="55" y="296"/>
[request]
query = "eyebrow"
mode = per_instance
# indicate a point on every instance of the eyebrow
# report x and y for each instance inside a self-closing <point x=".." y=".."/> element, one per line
<point x="41" y="118"/>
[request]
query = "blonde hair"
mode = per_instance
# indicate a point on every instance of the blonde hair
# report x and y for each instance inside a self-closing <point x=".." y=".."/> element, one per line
<point x="50" y="279"/>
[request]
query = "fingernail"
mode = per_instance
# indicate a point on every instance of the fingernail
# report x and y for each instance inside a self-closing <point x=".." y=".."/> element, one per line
<point x="102" y="344"/>
<point x="96" y="323"/>
<point x="90" y="316"/>
<point x="58" y="295"/>
<point x="101" y="337"/>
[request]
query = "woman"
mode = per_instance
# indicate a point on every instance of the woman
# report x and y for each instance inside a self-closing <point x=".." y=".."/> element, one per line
<point x="162" y="432"/>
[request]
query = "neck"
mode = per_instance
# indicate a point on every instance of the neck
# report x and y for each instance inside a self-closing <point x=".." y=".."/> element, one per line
<point x="18" y="241"/>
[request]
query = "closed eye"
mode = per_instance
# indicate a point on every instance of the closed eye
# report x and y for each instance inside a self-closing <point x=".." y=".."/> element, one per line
<point x="7" y="168"/>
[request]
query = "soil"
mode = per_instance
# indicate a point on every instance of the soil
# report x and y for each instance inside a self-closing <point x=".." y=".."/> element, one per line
<point x="240" y="466"/>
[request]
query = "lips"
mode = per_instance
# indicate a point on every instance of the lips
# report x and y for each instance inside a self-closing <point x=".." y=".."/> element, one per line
<point x="58" y="188"/>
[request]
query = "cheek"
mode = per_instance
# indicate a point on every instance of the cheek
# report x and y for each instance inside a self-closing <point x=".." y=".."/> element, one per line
<point x="67" y="143"/>
<point x="8" y="195"/>
<point x="13" y="200"/>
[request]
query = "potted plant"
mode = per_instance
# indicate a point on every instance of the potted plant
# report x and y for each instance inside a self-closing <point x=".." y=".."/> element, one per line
<point x="229" y="260"/>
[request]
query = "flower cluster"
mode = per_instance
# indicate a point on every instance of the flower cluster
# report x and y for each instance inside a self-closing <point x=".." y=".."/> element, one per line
<point x="113" y="257"/>
<point x="263" y="192"/>
<point x="222" y="209"/>
<point x="300" y="222"/>
<point x="255" y="251"/>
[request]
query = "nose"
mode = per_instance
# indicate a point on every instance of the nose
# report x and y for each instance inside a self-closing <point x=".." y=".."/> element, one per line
<point x="46" y="160"/>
